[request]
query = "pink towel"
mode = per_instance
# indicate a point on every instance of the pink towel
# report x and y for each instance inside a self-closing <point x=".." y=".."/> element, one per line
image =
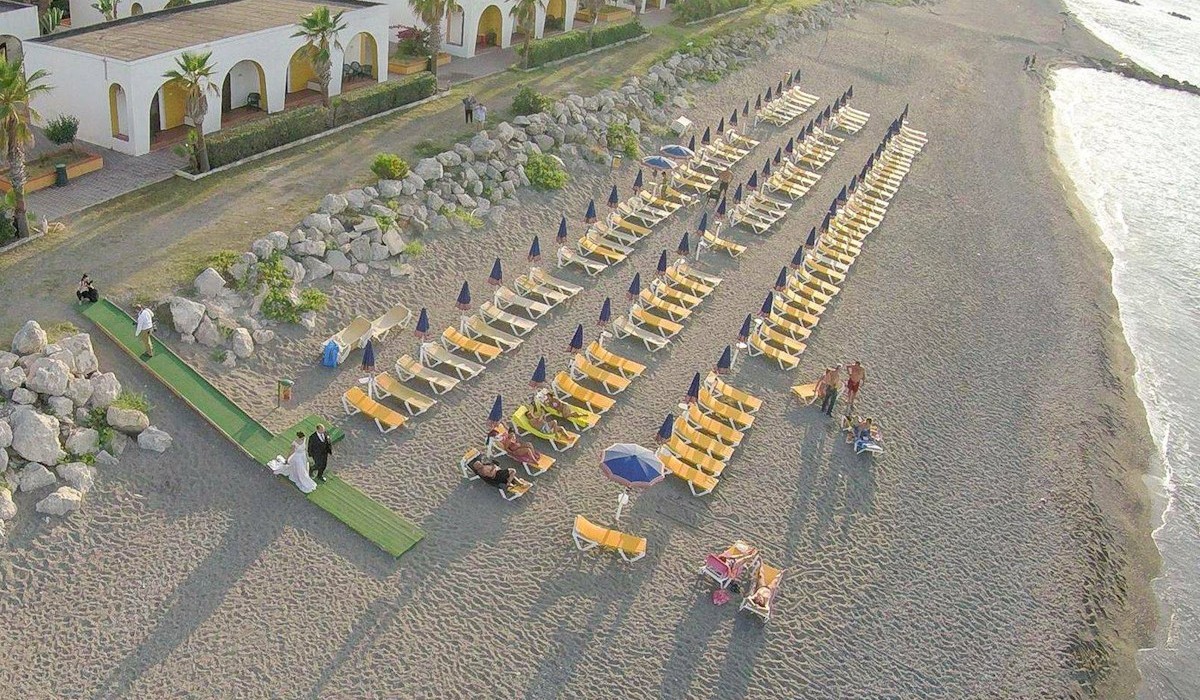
<point x="721" y="596"/>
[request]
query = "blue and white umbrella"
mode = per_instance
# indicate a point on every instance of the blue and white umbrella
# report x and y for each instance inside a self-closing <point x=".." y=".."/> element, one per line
<point x="658" y="163"/>
<point x="674" y="150"/>
<point x="631" y="466"/>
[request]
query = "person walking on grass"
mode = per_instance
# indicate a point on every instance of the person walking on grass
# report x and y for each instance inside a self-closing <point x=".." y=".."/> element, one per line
<point x="319" y="448"/>
<point x="480" y="114"/>
<point x="145" y="330"/>
<point x="856" y="374"/>
<point x="832" y="381"/>
<point x="468" y="107"/>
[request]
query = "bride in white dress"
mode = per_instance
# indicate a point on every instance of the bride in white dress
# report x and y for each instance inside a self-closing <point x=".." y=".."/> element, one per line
<point x="296" y="467"/>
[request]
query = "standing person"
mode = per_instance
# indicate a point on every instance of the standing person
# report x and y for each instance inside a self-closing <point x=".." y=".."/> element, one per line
<point x="297" y="465"/>
<point x="723" y="181"/>
<point x="319" y="448"/>
<point x="856" y="374"/>
<point x="145" y="328"/>
<point x="468" y="107"/>
<point x="833" y="380"/>
<point x="480" y="113"/>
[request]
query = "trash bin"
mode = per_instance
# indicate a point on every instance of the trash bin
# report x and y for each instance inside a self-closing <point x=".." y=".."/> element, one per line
<point x="60" y="174"/>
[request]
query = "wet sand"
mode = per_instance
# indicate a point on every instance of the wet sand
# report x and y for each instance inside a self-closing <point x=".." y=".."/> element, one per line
<point x="1000" y="539"/>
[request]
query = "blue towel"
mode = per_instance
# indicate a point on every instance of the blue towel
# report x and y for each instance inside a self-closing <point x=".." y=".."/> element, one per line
<point x="329" y="357"/>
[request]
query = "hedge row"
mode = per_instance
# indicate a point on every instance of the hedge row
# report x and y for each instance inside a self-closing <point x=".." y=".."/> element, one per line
<point x="695" y="10"/>
<point x="276" y="130"/>
<point x="543" y="51"/>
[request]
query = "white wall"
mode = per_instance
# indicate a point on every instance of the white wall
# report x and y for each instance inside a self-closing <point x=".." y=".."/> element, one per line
<point x="80" y="88"/>
<point x="401" y="13"/>
<point x="21" y="23"/>
<point x="243" y="80"/>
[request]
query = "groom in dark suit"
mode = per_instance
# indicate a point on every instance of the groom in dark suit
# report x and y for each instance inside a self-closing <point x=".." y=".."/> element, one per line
<point x="319" y="448"/>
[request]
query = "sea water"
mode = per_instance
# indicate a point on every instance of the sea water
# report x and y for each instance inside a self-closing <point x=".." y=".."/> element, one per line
<point x="1133" y="152"/>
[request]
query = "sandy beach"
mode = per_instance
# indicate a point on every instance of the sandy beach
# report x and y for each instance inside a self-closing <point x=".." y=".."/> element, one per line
<point x="1000" y="547"/>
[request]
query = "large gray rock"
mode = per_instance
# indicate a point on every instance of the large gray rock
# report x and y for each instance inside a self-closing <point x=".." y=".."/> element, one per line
<point x="412" y="184"/>
<point x="30" y="339"/>
<point x="241" y="343"/>
<point x="61" y="408"/>
<point x="309" y="247"/>
<point x="210" y="283"/>
<point x="337" y="260"/>
<point x="185" y="314"/>
<point x="347" y="277"/>
<point x="394" y="242"/>
<point x="78" y="344"/>
<point x="24" y="397"/>
<point x="294" y="268"/>
<point x="84" y="441"/>
<point x="8" y="509"/>
<point x="262" y="336"/>
<point x="429" y="169"/>
<point x="449" y="159"/>
<point x="35" y="436"/>
<point x="12" y="378"/>
<point x="7" y="360"/>
<point x="207" y="333"/>
<point x="320" y="222"/>
<point x="35" y="476"/>
<point x="504" y="132"/>
<point x="262" y="248"/>
<point x="390" y="189"/>
<point x="333" y="204"/>
<point x="49" y="376"/>
<point x="360" y="248"/>
<point x="64" y="500"/>
<point x="357" y="200"/>
<point x="5" y="434"/>
<point x="316" y="269"/>
<point x="127" y="420"/>
<point x="78" y="475"/>
<point x="105" y="389"/>
<point x="79" y="390"/>
<point x="279" y="239"/>
<point x="154" y="439"/>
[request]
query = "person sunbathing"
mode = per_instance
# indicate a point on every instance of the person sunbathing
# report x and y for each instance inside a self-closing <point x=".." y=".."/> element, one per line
<point x="491" y="472"/>
<point x="508" y="441"/>
<point x="547" y="402"/>
<point x="763" y="592"/>
<point x="867" y="435"/>
<point x="541" y="419"/>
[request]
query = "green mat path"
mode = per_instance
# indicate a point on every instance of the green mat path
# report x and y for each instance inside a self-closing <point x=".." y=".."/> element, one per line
<point x="367" y="517"/>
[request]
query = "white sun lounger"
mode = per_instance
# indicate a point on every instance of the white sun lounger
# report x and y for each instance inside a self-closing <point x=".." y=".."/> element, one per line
<point x="505" y="298"/>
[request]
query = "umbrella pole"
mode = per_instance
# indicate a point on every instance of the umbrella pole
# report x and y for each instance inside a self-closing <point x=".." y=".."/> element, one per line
<point x="622" y="501"/>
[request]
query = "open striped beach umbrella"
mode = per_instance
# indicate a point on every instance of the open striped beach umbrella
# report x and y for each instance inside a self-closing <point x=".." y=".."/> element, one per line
<point x="703" y="226"/>
<point x="752" y="183"/>
<point x="605" y="313"/>
<point x="706" y="138"/>
<point x="737" y="195"/>
<point x="743" y="333"/>
<point x="538" y="380"/>
<point x="666" y="429"/>
<point x="613" y="198"/>
<point x="662" y="264"/>
<point x="637" y="181"/>
<point x="778" y="156"/>
<point x="693" y="392"/>
<point x="576" y="343"/>
<point x="798" y="258"/>
<point x="685" y="245"/>
<point x="721" y="126"/>
<point x="631" y="466"/>
<point x="368" y="359"/>
<point x="725" y="361"/>
<point x="590" y="216"/>
<point x="497" y="275"/>
<point x="535" y="250"/>
<point x="635" y="287"/>
<point x="733" y="118"/>
<point x="767" y="305"/>
<point x="464" y="298"/>
<point x="721" y="208"/>
<point x="781" y="282"/>
<point x="496" y="415"/>
<point x="692" y="144"/>
<point x="421" y="330"/>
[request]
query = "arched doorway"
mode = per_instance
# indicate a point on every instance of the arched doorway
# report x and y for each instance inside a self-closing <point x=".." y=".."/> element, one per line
<point x="491" y="28"/>
<point x="118" y="111"/>
<point x="556" y="16"/>
<point x="359" y="58"/>
<point x="300" y="71"/>
<point x="135" y="9"/>
<point x="168" y="108"/>
<point x="245" y="85"/>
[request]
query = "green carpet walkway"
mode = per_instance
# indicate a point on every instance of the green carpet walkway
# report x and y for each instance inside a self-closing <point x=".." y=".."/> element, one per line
<point x="365" y="516"/>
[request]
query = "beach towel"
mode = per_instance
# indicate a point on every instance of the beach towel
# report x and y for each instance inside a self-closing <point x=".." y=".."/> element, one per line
<point x="329" y="356"/>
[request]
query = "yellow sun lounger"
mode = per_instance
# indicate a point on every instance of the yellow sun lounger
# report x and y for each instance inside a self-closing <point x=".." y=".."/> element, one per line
<point x="724" y="390"/>
<point x="794" y="313"/>
<point x="626" y="225"/>
<point x="694" y="457"/>
<point x="820" y="291"/>
<point x="508" y="493"/>
<point x="398" y="316"/>
<point x="698" y="482"/>
<point x="691" y="286"/>
<point x="807" y="393"/>
<point x="674" y="311"/>
<point x="612" y="382"/>
<point x="581" y="419"/>
<point x="711" y="240"/>
<point x="588" y="535"/>
<point x="667" y="206"/>
<point x="641" y="211"/>
<point x="610" y="256"/>
<point x="351" y="337"/>
<point x="603" y="356"/>
<point x="676" y="296"/>
<point x="355" y="400"/>
<point x="435" y="356"/>
<point x="481" y="351"/>
<point x="721" y="431"/>
<point x="663" y="326"/>
<point x="490" y="312"/>
<point x="781" y="340"/>
<point x="545" y="279"/>
<point x="624" y="329"/>
<point x="529" y="288"/>
<point x="770" y="577"/>
<point x="793" y="329"/>
<point x="759" y="346"/>
<point x="408" y="368"/>
<point x="684" y="268"/>
<point x="824" y="271"/>
<point x="537" y="468"/>
<point x="566" y="256"/>
<point x="702" y="441"/>
<point x="476" y="327"/>
<point x="567" y="388"/>
<point x="732" y="415"/>
<point x="385" y="385"/>
<point x="524" y="426"/>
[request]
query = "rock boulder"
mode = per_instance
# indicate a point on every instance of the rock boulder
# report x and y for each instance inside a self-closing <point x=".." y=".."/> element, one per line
<point x="127" y="420"/>
<point x="35" y="436"/>
<point x="105" y="389"/>
<point x="185" y="314"/>
<point x="209" y="283"/>
<point x="35" y="476"/>
<point x="154" y="439"/>
<point x="48" y="375"/>
<point x="84" y="441"/>
<point x="30" y="339"/>
<point x="241" y="343"/>
<point x="78" y="475"/>
<point x="61" y="502"/>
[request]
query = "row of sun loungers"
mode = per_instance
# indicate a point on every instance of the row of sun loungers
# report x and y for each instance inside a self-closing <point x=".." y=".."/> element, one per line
<point x="704" y="437"/>
<point x="657" y="314"/>
<point x="360" y="330"/>
<point x="786" y="107"/>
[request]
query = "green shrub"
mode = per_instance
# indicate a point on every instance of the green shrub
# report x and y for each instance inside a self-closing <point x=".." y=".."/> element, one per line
<point x="220" y="261"/>
<point x="428" y="149"/>
<point x="362" y="103"/>
<point x="464" y="216"/>
<point x="529" y="101"/>
<point x="622" y="139"/>
<point x="617" y="32"/>
<point x="389" y="166"/>
<point x="543" y="51"/>
<point x="312" y="300"/>
<point x="696" y="10"/>
<point x="278" y="304"/>
<point x="544" y="172"/>
<point x="219" y="355"/>
<point x="62" y="129"/>
<point x="414" y="248"/>
<point x="132" y="401"/>
<point x="230" y="145"/>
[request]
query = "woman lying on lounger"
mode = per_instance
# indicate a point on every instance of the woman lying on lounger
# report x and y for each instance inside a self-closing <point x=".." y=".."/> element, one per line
<point x="541" y="419"/>
<point x="761" y="597"/>
<point x="866" y="435"/>
<point x="493" y="473"/>
<point x="508" y="441"/>
<point x="545" y="400"/>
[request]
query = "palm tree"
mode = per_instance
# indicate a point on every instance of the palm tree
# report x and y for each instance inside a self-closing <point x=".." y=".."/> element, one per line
<point x="525" y="12"/>
<point x="594" y="7"/>
<point x="108" y="8"/>
<point x="432" y="12"/>
<point x="172" y="4"/>
<point x="320" y="29"/>
<point x="193" y="75"/>
<point x="16" y="90"/>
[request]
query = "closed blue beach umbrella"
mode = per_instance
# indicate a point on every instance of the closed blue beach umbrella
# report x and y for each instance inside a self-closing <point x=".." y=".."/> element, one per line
<point x="693" y="392"/>
<point x="538" y="379"/>
<point x="758" y="103"/>
<point x="662" y="264"/>
<point x="613" y="198"/>
<point x="828" y="111"/>
<point x="721" y="126"/>
<point x="733" y="118"/>
<point x="766" y="171"/>
<point x="798" y="258"/>
<point x="825" y="223"/>
<point x="560" y="236"/>
<point x="666" y="429"/>
<point x="797" y="76"/>
<point x="862" y="174"/>
<point x="635" y="286"/>
<point x="746" y="109"/>
<point x="743" y="334"/>
<point x="853" y="184"/>
<point x="576" y="343"/>
<point x="811" y="241"/>
<point x="781" y="282"/>
<point x="790" y="79"/>
<point x="767" y="305"/>
<point x="422" y="328"/>
<point x="769" y="95"/>
<point x="685" y="245"/>
<point x="703" y="224"/>
<point x="496" y="415"/>
<point x="850" y="93"/>
<point x="752" y="183"/>
<point x="707" y="137"/>
<point x="737" y="195"/>
<point x="790" y="148"/>
<point x="631" y="466"/>
<point x="692" y="144"/>
<point x="725" y="361"/>
<point x="721" y="208"/>
<point x="605" y="312"/>
<point x="535" y="250"/>
<point x="842" y="195"/>
<point x="368" y="360"/>
<point x="590" y="215"/>
<point x="778" y="156"/>
<point x="637" y="181"/>
<point x="779" y="88"/>
<point x="464" y="298"/>
<point x="497" y="275"/>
